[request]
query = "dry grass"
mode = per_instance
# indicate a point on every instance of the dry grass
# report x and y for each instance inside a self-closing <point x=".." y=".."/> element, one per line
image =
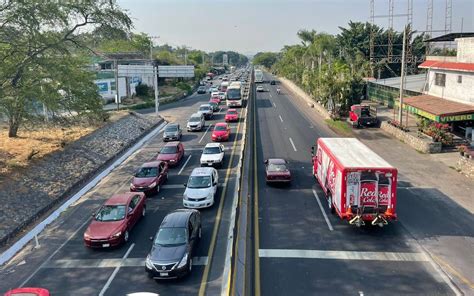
<point x="35" y="142"/>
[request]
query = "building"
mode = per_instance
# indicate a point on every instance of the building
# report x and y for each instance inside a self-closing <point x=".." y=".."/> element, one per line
<point x="387" y="90"/>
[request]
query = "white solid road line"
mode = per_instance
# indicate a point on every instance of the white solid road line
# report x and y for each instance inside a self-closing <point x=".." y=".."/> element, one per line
<point x="184" y="165"/>
<point x="293" y="144"/>
<point x="270" y="95"/>
<point x="322" y="210"/>
<point x="205" y="133"/>
<point x="274" y="104"/>
<point x="110" y="263"/>
<point x="116" y="270"/>
<point x="343" y="255"/>
<point x="281" y="119"/>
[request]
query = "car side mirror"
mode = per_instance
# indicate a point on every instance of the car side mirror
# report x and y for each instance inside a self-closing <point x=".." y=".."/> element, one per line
<point x="151" y="238"/>
<point x="266" y="161"/>
<point x="185" y="185"/>
<point x="93" y="215"/>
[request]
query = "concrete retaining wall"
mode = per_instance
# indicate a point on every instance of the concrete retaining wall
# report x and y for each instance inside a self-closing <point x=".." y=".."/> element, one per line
<point x="420" y="144"/>
<point x="466" y="167"/>
<point x="301" y="93"/>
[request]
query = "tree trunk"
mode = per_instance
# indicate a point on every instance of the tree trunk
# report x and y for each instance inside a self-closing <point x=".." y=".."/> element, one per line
<point x="14" y="124"/>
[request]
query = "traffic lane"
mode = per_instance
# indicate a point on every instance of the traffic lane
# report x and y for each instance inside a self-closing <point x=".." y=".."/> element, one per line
<point x="340" y="277"/>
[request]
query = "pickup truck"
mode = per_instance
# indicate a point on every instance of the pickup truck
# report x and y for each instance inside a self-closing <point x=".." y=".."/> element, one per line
<point x="363" y="115"/>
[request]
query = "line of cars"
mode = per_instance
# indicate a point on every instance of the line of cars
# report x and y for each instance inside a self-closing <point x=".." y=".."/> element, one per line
<point x="173" y="244"/>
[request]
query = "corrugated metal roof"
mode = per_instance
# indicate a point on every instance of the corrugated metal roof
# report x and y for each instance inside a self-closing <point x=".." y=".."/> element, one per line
<point x="438" y="106"/>
<point x="352" y="153"/>
<point x="465" y="67"/>
<point x="414" y="83"/>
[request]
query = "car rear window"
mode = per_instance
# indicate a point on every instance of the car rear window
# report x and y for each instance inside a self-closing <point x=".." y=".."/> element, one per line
<point x="276" y="167"/>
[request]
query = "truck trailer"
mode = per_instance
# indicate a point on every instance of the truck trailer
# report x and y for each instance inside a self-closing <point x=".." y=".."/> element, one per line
<point x="359" y="185"/>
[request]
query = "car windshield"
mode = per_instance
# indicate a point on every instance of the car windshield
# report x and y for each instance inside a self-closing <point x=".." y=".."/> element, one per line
<point x="220" y="128"/>
<point x="171" y="129"/>
<point x="169" y="150"/>
<point x="111" y="213"/>
<point x="204" y="108"/>
<point x="195" y="119"/>
<point x="171" y="236"/>
<point x="232" y="112"/>
<point x="276" y="167"/>
<point x="147" y="172"/>
<point x="365" y="112"/>
<point x="199" y="182"/>
<point x="212" y="150"/>
<point x="233" y="94"/>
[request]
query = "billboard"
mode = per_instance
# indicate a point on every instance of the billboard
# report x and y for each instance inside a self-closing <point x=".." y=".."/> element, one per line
<point x="176" y="71"/>
<point x="135" y="70"/>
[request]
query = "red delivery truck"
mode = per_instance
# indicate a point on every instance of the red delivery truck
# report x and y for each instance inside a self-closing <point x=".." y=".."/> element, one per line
<point x="360" y="186"/>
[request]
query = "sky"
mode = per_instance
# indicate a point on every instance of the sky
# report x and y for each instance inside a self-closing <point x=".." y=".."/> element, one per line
<point x="251" y="26"/>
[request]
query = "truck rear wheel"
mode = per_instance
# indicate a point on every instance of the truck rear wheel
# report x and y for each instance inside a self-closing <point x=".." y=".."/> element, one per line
<point x="330" y="204"/>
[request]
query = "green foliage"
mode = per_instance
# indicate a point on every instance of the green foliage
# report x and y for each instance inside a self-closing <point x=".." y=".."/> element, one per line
<point x="184" y="86"/>
<point x="143" y="90"/>
<point x="266" y="59"/>
<point x="235" y="58"/>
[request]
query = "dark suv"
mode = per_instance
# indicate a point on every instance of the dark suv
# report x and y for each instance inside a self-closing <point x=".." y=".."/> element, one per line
<point x="171" y="255"/>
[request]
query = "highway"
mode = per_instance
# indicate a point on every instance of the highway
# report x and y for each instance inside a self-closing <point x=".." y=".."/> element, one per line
<point x="299" y="247"/>
<point x="64" y="266"/>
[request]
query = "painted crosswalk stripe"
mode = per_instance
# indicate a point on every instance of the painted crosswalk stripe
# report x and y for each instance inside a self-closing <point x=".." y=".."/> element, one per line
<point x="342" y="255"/>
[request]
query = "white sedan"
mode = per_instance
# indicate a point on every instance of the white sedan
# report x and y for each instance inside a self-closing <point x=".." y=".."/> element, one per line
<point x="259" y="88"/>
<point x="213" y="154"/>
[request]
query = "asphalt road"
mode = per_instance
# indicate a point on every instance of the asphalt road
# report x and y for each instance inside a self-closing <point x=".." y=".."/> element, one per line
<point x="65" y="266"/>
<point x="296" y="250"/>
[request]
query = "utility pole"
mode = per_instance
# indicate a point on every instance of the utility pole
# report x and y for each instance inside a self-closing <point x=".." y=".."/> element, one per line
<point x="402" y="77"/>
<point x="155" y="85"/>
<point x="151" y="45"/>
<point x="117" y="96"/>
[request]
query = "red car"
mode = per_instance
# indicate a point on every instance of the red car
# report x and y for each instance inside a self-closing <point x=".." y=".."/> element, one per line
<point x="221" y="132"/>
<point x="276" y="171"/>
<point x="149" y="177"/>
<point x="216" y="99"/>
<point x="112" y="223"/>
<point x="231" y="115"/>
<point x="28" y="292"/>
<point x="172" y="153"/>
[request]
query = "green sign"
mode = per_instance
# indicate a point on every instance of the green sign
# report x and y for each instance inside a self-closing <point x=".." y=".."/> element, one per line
<point x="461" y="117"/>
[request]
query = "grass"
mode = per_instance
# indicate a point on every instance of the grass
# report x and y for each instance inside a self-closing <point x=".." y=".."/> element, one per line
<point x="340" y="127"/>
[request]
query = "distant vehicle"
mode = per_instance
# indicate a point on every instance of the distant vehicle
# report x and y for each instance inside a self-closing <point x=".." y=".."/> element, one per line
<point x="258" y="76"/>
<point x="206" y="110"/>
<point x="172" y="132"/>
<point x="223" y="86"/>
<point x="172" y="153"/>
<point x="214" y="104"/>
<point x="276" y="171"/>
<point x="234" y="95"/>
<point x="201" y="90"/>
<point x="273" y="82"/>
<point x="363" y="115"/>
<point x="260" y="88"/>
<point x="213" y="154"/>
<point x="221" y="132"/>
<point x="359" y="185"/>
<point x="222" y="95"/>
<point x="149" y="177"/>
<point x="112" y="223"/>
<point x="28" y="291"/>
<point x="231" y="115"/>
<point x="196" y="122"/>
<point x="201" y="188"/>
<point x="174" y="244"/>
<point x="213" y="89"/>
<point x="215" y="99"/>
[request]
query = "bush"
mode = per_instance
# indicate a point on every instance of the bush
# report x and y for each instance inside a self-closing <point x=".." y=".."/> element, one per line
<point x="143" y="90"/>
<point x="184" y="86"/>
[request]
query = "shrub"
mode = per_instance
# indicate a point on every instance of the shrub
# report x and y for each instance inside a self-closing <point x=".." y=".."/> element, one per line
<point x="143" y="90"/>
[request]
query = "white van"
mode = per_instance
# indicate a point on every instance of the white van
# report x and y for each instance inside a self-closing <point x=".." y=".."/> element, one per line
<point x="201" y="188"/>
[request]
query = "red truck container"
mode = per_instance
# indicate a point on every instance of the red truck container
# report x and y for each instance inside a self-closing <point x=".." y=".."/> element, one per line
<point x="360" y="186"/>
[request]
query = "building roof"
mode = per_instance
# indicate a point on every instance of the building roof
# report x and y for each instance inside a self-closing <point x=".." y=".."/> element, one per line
<point x="438" y="106"/>
<point x="430" y="64"/>
<point x="352" y="153"/>
<point x="450" y="37"/>
<point x="414" y="83"/>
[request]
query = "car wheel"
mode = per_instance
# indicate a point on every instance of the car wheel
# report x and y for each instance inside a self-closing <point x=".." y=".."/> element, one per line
<point x="125" y="236"/>
<point x="331" y="206"/>
<point x="143" y="212"/>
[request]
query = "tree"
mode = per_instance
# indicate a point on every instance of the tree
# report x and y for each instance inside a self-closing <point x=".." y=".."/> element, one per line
<point x="266" y="59"/>
<point x="41" y="43"/>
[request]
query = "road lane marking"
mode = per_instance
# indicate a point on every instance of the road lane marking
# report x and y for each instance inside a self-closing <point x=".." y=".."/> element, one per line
<point x="343" y="255"/>
<point x="453" y="271"/>
<point x="281" y="119"/>
<point x="270" y="95"/>
<point x="179" y="186"/>
<point x="116" y="270"/>
<point x="255" y="204"/>
<point x="274" y="104"/>
<point x="184" y="165"/>
<point x="322" y="210"/>
<point x="109" y="263"/>
<point x="205" y="133"/>
<point x="293" y="144"/>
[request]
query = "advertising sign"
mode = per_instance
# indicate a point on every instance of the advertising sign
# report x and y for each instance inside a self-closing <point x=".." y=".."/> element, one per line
<point x="103" y="87"/>
<point x="176" y="71"/>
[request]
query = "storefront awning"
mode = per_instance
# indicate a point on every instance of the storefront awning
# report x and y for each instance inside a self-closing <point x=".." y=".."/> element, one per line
<point x="438" y="109"/>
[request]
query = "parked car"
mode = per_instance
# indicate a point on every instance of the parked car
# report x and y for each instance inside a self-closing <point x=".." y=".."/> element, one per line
<point x="231" y="115"/>
<point x="172" y="153"/>
<point x="171" y="255"/>
<point x="276" y="171"/>
<point x="221" y="132"/>
<point x="201" y="89"/>
<point x="172" y="132"/>
<point x="201" y="188"/>
<point x="214" y="105"/>
<point x="213" y="154"/>
<point x="112" y="223"/>
<point x="28" y="291"/>
<point x="260" y="88"/>
<point x="149" y="177"/>
<point x="206" y="110"/>
<point x="196" y="122"/>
